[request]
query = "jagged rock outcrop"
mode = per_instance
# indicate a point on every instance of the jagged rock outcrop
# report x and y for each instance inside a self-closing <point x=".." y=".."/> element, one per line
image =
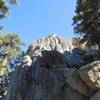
<point x="52" y="42"/>
<point x="54" y="70"/>
<point x="90" y="74"/>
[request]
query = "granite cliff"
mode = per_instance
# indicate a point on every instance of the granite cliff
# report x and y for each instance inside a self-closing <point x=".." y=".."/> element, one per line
<point x="54" y="70"/>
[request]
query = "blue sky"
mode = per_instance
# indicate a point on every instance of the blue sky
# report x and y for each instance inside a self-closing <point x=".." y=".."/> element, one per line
<point x="36" y="19"/>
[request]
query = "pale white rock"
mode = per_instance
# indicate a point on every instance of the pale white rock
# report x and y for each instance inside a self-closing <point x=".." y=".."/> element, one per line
<point x="59" y="48"/>
<point x="52" y="42"/>
<point x="90" y="74"/>
<point x="27" y="60"/>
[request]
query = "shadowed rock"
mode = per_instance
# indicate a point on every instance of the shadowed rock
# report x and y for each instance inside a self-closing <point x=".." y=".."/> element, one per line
<point x="96" y="96"/>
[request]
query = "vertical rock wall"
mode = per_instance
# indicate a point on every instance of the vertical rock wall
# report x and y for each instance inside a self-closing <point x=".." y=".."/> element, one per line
<point x="53" y="71"/>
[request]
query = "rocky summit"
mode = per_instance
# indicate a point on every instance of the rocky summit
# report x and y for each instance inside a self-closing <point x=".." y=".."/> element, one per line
<point x="53" y="69"/>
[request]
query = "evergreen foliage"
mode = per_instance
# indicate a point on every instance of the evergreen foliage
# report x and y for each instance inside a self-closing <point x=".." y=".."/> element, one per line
<point x="4" y="7"/>
<point x="87" y="21"/>
<point x="10" y="55"/>
<point x="10" y="49"/>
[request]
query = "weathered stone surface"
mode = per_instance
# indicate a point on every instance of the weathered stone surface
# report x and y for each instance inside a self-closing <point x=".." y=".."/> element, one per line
<point x="73" y="60"/>
<point x="71" y="94"/>
<point x="52" y="42"/>
<point x="50" y="84"/>
<point x="74" y="80"/>
<point x="90" y="74"/>
<point x="19" y="85"/>
<point x="53" y="59"/>
<point x="91" y="56"/>
<point x="78" y="51"/>
<point x="55" y="71"/>
<point x="27" y="60"/>
<point x="96" y="96"/>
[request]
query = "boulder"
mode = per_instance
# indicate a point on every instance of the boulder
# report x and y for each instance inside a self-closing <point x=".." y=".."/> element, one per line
<point x="90" y="74"/>
<point x="92" y="55"/>
<point x="73" y="60"/>
<point x="78" y="51"/>
<point x="73" y="79"/>
<point x="53" y="59"/>
<point x="71" y="94"/>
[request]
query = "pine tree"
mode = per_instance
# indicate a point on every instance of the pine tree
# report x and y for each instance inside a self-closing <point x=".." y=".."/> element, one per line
<point x="10" y="52"/>
<point x="87" y="21"/>
<point x="9" y="43"/>
<point x="10" y="49"/>
<point x="4" y="7"/>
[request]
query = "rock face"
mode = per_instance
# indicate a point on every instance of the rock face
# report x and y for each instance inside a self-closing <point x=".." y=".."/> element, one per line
<point x="96" y="96"/>
<point x="90" y="74"/>
<point x="54" y="70"/>
<point x="52" y="42"/>
<point x="73" y="79"/>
